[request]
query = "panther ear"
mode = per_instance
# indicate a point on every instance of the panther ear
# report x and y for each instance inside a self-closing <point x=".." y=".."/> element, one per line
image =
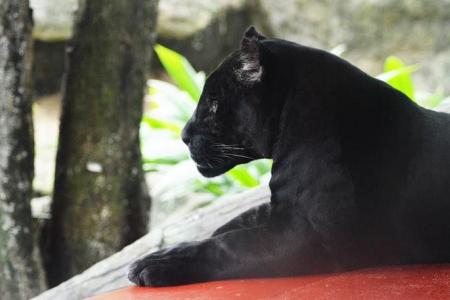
<point x="250" y="36"/>
<point x="249" y="70"/>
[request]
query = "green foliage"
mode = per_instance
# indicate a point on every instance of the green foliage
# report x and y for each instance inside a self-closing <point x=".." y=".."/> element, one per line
<point x="161" y="124"/>
<point x="181" y="71"/>
<point x="399" y="76"/>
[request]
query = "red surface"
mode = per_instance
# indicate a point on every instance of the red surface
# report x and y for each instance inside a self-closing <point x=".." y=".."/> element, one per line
<point x="410" y="282"/>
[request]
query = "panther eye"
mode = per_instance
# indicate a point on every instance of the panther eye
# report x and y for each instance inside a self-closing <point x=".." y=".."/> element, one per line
<point x="214" y="106"/>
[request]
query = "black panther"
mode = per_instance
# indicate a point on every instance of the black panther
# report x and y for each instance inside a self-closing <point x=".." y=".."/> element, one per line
<point x="360" y="176"/>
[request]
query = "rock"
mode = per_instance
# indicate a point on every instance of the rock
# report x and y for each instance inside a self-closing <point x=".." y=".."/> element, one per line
<point x="53" y="19"/>
<point x="413" y="30"/>
<point x="204" y="31"/>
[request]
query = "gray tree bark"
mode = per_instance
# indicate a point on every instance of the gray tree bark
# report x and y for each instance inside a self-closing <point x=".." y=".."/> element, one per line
<point x="100" y="201"/>
<point x="20" y="273"/>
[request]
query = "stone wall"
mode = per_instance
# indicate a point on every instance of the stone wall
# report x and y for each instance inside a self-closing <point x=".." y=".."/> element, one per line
<point x="204" y="30"/>
<point x="417" y="31"/>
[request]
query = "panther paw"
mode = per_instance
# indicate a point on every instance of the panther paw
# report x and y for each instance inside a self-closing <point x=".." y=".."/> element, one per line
<point x="179" y="265"/>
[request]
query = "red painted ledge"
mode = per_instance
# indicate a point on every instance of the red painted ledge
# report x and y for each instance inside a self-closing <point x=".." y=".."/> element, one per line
<point x="406" y="282"/>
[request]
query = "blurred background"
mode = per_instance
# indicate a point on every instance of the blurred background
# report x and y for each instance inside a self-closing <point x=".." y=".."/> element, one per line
<point x="94" y="95"/>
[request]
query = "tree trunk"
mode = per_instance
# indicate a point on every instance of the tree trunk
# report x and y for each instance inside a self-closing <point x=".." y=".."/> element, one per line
<point x="20" y="273"/>
<point x="100" y="201"/>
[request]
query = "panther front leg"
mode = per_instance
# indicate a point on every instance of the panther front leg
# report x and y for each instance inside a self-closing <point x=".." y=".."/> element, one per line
<point x="252" y="252"/>
<point x="254" y="217"/>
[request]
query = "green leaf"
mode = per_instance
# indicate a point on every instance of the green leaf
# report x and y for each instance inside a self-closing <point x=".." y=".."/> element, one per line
<point x="339" y="50"/>
<point x="243" y="176"/>
<point x="429" y="100"/>
<point x="213" y="188"/>
<point x="161" y="124"/>
<point x="148" y="169"/>
<point x="164" y="160"/>
<point x="180" y="70"/>
<point x="399" y="75"/>
<point x="165" y="95"/>
<point x="263" y="166"/>
<point x="395" y="73"/>
<point x="160" y="163"/>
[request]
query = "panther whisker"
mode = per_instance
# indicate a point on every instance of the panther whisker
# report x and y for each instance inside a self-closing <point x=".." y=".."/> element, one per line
<point x="221" y="144"/>
<point x="227" y="147"/>
<point x="233" y="155"/>
<point x="230" y="150"/>
<point x="217" y="160"/>
<point x="243" y="156"/>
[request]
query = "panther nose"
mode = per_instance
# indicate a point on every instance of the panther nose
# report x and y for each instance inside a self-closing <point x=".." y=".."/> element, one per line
<point x="185" y="136"/>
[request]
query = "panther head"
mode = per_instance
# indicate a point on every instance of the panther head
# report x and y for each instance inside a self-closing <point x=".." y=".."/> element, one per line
<point x="236" y="119"/>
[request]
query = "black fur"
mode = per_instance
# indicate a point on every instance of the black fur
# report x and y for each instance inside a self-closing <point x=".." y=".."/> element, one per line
<point x="360" y="177"/>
